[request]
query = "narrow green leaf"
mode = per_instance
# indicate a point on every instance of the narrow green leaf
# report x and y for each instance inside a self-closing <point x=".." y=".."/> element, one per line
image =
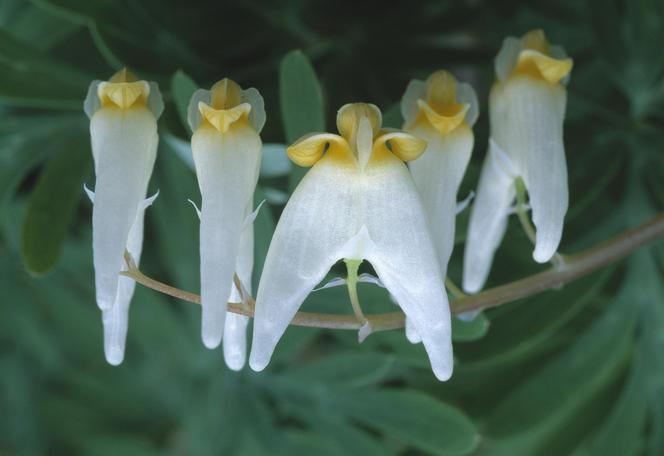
<point x="32" y="78"/>
<point x="415" y="418"/>
<point x="53" y="203"/>
<point x="301" y="102"/>
<point x="348" y="369"/>
<point x="183" y="87"/>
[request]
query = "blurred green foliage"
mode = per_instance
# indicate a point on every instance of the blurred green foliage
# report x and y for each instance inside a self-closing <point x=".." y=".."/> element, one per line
<point x="573" y="371"/>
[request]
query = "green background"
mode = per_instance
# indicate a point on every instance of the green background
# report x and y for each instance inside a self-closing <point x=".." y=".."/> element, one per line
<point x="578" y="370"/>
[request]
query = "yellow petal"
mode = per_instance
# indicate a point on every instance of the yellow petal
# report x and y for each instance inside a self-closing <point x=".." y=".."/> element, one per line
<point x="444" y="120"/>
<point x="123" y="94"/>
<point x="405" y="146"/>
<point x="222" y="119"/>
<point x="307" y="150"/>
<point x="348" y="119"/>
<point x="541" y="65"/>
<point x="441" y="89"/>
<point x="535" y="40"/>
<point x="226" y="94"/>
<point x="124" y="75"/>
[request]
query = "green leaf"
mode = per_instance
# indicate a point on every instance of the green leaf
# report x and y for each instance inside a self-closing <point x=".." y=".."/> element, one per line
<point x="622" y="432"/>
<point x="53" y="203"/>
<point x="183" y="87"/>
<point x="31" y="78"/>
<point x="415" y="418"/>
<point x="301" y="102"/>
<point x="348" y="369"/>
<point x="562" y="386"/>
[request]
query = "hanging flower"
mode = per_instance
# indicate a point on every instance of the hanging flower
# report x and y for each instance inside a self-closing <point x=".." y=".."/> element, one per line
<point x="226" y="146"/>
<point x="442" y="112"/>
<point x="123" y="116"/>
<point x="357" y="202"/>
<point x="526" y="112"/>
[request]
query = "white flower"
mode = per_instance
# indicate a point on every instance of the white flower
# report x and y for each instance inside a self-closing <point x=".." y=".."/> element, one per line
<point x="357" y="202"/>
<point x="526" y="112"/>
<point x="123" y="127"/>
<point x="442" y="112"/>
<point x="226" y="147"/>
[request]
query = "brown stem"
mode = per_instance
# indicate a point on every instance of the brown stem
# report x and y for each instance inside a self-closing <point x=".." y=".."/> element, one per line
<point x="573" y="267"/>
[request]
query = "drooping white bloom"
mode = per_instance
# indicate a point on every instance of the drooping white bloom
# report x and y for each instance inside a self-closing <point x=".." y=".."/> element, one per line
<point x="357" y="202"/>
<point x="226" y="147"/>
<point x="526" y="111"/>
<point x="123" y="127"/>
<point x="442" y="112"/>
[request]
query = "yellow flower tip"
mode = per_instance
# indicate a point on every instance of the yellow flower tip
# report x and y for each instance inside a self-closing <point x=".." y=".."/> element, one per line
<point x="310" y="148"/>
<point x="535" y="59"/>
<point x="349" y="115"/>
<point x="124" y="75"/>
<point x="441" y="89"/>
<point x="403" y="145"/>
<point x="222" y="119"/>
<point x="536" y="40"/>
<point x="444" y="119"/>
<point x="226" y="94"/>
<point x="123" y="95"/>
<point x="540" y="65"/>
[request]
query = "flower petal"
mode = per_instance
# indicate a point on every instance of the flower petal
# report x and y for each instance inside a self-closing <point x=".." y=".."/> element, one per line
<point x="319" y="219"/>
<point x="115" y="319"/>
<point x="411" y="332"/>
<point x="227" y="168"/>
<point x="235" y="330"/>
<point x="438" y="173"/>
<point x="404" y="257"/>
<point x="416" y="90"/>
<point x="124" y="146"/>
<point x="488" y="219"/>
<point x="527" y="122"/>
<point x="310" y="148"/>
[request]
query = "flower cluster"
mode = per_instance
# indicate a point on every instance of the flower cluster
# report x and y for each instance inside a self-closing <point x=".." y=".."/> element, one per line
<point x="385" y="196"/>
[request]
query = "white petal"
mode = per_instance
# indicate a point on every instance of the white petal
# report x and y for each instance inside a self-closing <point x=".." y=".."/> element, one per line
<point x="368" y="278"/>
<point x="438" y="173"/>
<point x="465" y="94"/>
<point x="227" y="169"/>
<point x="405" y="260"/>
<point x="257" y="113"/>
<point x="115" y="319"/>
<point x="124" y="146"/>
<point x="507" y="57"/>
<point x="193" y="113"/>
<point x="321" y="216"/>
<point x="463" y="204"/>
<point x="92" y="102"/>
<point x="488" y="220"/>
<point x="527" y="122"/>
<point x="415" y="90"/>
<point x="411" y="332"/>
<point x="155" y="100"/>
<point x="235" y="329"/>
<point x="336" y="282"/>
